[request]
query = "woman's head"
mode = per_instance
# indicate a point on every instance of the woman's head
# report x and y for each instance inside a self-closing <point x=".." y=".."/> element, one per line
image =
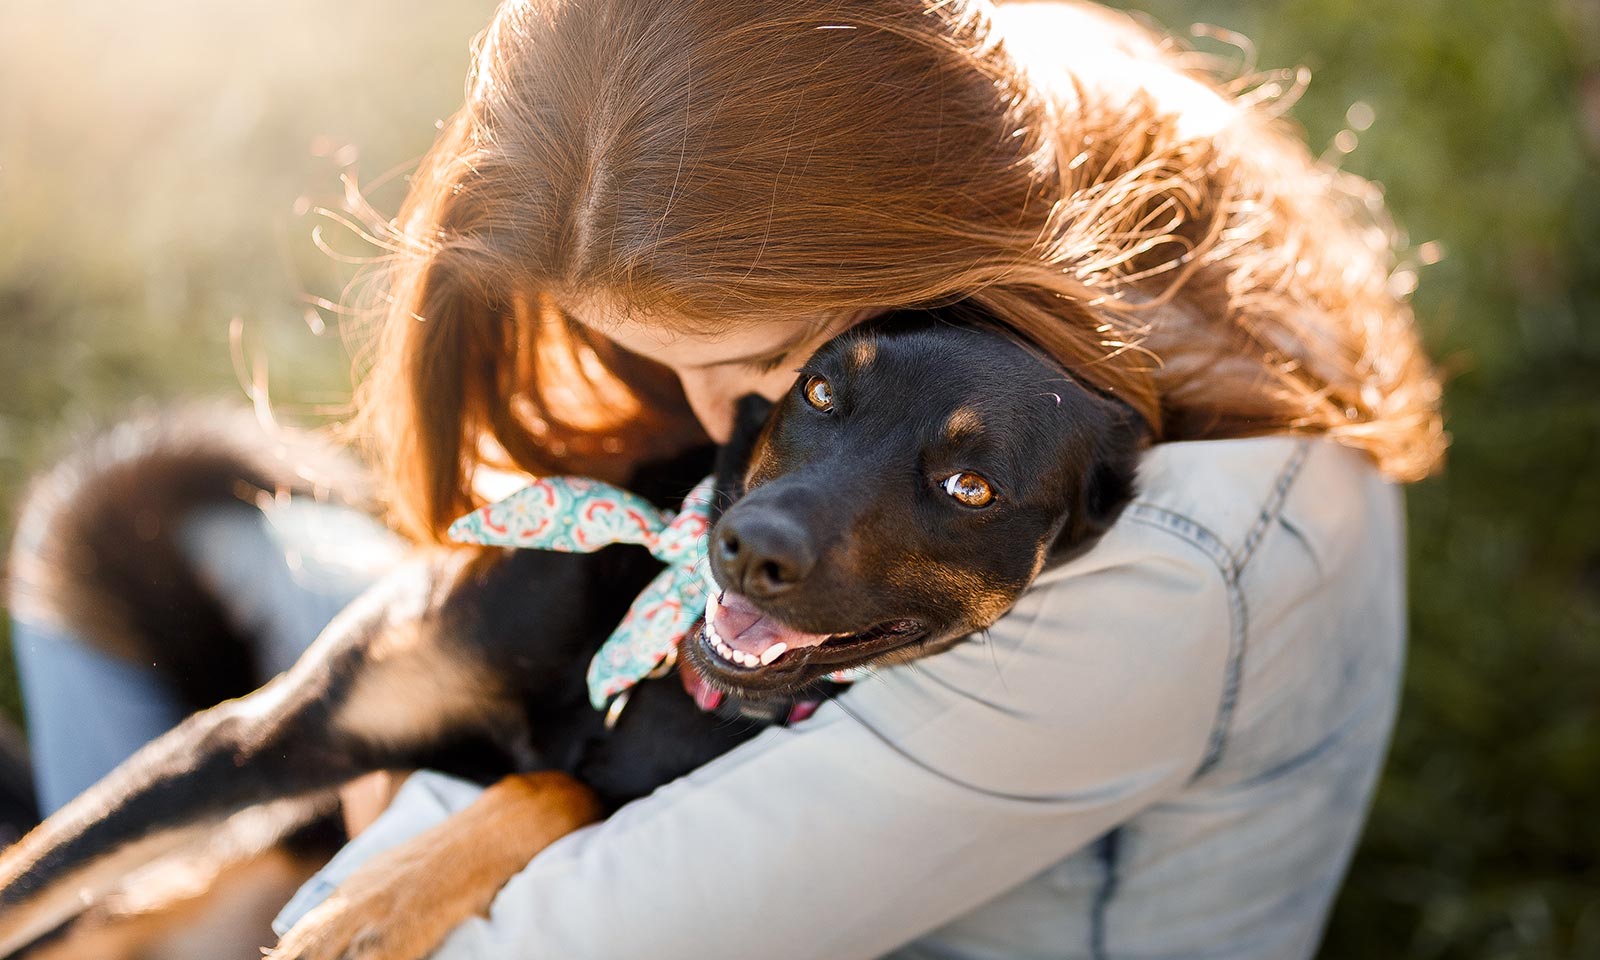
<point x="644" y="208"/>
<point x="715" y="367"/>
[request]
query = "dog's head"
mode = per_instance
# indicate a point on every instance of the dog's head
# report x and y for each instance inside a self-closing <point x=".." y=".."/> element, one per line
<point x="914" y="482"/>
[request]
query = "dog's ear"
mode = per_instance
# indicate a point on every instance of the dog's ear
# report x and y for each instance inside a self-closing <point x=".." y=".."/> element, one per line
<point x="1107" y="484"/>
<point x="750" y="416"/>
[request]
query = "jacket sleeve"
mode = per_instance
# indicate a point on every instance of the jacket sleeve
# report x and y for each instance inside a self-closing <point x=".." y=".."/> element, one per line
<point x="920" y="794"/>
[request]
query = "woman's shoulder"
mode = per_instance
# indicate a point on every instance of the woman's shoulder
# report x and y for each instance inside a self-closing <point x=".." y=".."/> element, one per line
<point x="1280" y="538"/>
<point x="1226" y="498"/>
<point x="1220" y="528"/>
<point x="1128" y="649"/>
<point x="1263" y="535"/>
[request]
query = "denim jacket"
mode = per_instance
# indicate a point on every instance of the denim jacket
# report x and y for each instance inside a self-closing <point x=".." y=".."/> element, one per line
<point x="1166" y="749"/>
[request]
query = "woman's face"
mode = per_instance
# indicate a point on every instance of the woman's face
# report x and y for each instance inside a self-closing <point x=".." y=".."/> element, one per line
<point x="717" y="369"/>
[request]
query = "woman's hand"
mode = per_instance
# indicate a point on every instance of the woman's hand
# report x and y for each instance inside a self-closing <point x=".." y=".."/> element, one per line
<point x="364" y="799"/>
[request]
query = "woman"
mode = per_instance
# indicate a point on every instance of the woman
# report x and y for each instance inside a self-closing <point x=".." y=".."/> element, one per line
<point x="646" y="210"/>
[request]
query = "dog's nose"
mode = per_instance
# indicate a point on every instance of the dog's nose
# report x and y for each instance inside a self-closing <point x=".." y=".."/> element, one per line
<point x="761" y="555"/>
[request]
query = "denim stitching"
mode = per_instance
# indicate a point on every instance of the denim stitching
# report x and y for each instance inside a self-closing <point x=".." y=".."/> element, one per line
<point x="1230" y="565"/>
<point x="1274" y="503"/>
<point x="1106" y="851"/>
<point x="1293" y="530"/>
<point x="1212" y="546"/>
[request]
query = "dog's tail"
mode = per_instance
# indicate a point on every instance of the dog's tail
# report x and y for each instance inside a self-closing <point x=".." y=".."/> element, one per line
<point x="259" y="765"/>
<point x="97" y="548"/>
<point x="98" y="553"/>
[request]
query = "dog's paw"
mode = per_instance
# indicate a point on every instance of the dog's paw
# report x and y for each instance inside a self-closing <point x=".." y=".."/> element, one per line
<point x="400" y="905"/>
<point x="370" y="923"/>
<point x="403" y="903"/>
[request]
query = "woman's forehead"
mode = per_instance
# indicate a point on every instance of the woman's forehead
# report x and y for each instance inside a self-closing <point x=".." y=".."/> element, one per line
<point x="675" y="342"/>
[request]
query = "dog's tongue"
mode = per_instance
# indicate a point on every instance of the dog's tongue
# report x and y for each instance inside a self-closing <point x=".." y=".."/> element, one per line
<point x="748" y="630"/>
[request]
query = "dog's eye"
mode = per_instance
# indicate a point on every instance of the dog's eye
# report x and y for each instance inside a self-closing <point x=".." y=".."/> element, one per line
<point x="819" y="393"/>
<point x="970" y="489"/>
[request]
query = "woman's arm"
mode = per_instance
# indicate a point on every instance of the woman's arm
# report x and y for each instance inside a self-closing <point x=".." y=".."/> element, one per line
<point x="922" y="794"/>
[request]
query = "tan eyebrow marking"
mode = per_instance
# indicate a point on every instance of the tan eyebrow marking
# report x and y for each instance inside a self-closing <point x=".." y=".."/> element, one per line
<point x="964" y="422"/>
<point x="863" y="354"/>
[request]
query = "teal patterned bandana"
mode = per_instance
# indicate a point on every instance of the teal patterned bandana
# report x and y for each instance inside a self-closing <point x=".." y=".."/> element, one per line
<point x="580" y="515"/>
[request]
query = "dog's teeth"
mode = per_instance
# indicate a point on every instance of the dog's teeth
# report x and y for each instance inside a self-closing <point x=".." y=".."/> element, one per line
<point x="773" y="652"/>
<point x="731" y="655"/>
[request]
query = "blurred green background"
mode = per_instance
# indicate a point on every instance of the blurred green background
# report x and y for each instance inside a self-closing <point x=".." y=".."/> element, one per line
<point x="160" y="165"/>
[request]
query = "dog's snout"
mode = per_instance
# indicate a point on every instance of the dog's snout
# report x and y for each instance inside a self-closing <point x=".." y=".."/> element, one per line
<point x="763" y="555"/>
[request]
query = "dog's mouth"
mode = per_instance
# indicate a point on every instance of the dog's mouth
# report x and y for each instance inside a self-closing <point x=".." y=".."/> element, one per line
<point x="742" y="639"/>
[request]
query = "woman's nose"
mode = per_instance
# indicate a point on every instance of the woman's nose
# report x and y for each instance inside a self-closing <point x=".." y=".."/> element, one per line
<point x="711" y="400"/>
<point x="713" y="393"/>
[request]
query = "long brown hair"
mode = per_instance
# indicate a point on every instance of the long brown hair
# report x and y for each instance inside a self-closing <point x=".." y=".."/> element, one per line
<point x="722" y="161"/>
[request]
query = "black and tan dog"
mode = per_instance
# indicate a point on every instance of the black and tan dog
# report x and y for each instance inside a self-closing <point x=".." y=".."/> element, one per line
<point x="920" y="475"/>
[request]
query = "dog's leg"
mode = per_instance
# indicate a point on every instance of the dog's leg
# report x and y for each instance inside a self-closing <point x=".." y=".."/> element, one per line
<point x="402" y="904"/>
<point x="388" y="681"/>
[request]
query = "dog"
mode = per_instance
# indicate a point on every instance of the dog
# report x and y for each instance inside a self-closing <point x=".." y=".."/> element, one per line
<point x="923" y="471"/>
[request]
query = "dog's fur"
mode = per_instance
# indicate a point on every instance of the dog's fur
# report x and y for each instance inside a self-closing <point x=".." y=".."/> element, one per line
<point x="473" y="661"/>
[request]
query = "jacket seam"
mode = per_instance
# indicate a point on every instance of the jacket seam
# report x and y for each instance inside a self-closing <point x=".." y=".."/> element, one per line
<point x="1107" y="852"/>
<point x="1273" y="505"/>
<point x="1230" y="565"/>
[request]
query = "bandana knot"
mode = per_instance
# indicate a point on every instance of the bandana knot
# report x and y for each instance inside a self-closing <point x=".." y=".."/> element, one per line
<point x="580" y="515"/>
